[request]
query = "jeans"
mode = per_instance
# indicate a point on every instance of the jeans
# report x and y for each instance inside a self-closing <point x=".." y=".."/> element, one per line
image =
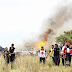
<point x="57" y="60"/>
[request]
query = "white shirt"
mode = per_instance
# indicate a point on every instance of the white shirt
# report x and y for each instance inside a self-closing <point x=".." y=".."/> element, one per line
<point x="42" y="53"/>
<point x="68" y="50"/>
<point x="63" y="48"/>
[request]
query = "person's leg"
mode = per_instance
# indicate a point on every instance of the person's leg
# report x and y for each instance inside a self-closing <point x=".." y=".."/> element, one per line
<point x="44" y="60"/>
<point x="58" y="60"/>
<point x="69" y="60"/>
<point x="55" y="60"/>
<point x="40" y="60"/>
<point x="62" y="60"/>
<point x="11" y="60"/>
<point x="66" y="59"/>
<point x="8" y="59"/>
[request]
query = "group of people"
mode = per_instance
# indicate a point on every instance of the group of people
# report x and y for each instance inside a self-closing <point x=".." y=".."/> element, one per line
<point x="9" y="55"/>
<point x="56" y="53"/>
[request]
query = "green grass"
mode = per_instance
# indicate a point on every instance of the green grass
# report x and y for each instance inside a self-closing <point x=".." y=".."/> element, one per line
<point x="31" y="64"/>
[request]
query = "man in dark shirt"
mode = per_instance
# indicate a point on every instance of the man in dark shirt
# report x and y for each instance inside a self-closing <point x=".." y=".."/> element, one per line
<point x="57" y="54"/>
<point x="12" y="53"/>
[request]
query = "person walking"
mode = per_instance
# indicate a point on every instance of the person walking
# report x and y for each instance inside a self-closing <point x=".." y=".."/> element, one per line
<point x="42" y="55"/>
<point x="57" y="54"/>
<point x="67" y="53"/>
<point x="12" y="54"/>
<point x="6" y="55"/>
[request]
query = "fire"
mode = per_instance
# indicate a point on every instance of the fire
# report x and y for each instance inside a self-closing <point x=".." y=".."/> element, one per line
<point x="42" y="43"/>
<point x="46" y="36"/>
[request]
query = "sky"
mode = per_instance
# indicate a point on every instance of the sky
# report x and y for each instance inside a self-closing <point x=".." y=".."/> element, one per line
<point x="23" y="19"/>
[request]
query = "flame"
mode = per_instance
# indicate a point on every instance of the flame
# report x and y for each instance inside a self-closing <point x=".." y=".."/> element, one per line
<point x="46" y="36"/>
<point x="42" y="43"/>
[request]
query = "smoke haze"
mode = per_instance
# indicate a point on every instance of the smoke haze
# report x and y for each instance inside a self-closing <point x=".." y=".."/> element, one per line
<point x="55" y="25"/>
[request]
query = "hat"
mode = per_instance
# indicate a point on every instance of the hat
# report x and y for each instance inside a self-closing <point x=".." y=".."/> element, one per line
<point x="67" y="42"/>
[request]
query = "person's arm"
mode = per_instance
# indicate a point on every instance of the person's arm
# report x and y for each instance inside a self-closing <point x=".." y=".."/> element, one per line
<point x="47" y="54"/>
<point x="4" y="53"/>
<point x="9" y="52"/>
<point x="13" y="52"/>
<point x="59" y="49"/>
<point x="59" y="53"/>
<point x="51" y="52"/>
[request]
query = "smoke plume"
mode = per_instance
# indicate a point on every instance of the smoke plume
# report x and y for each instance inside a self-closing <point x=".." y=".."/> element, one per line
<point x="62" y="16"/>
<point x="53" y="24"/>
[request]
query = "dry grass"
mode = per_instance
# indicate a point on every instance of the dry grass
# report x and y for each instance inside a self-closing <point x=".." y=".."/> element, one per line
<point x="31" y="64"/>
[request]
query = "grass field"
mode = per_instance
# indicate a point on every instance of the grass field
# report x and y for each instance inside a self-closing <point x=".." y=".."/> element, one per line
<point x="31" y="64"/>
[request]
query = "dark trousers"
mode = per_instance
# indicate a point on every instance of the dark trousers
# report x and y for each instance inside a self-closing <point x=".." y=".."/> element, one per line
<point x="63" y="60"/>
<point x="12" y="58"/>
<point x="7" y="59"/>
<point x="42" y="59"/>
<point x="53" y="59"/>
<point x="57" y="60"/>
<point x="68" y="59"/>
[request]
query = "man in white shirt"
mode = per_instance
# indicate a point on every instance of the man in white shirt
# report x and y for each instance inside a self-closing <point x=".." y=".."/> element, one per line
<point x="42" y="54"/>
